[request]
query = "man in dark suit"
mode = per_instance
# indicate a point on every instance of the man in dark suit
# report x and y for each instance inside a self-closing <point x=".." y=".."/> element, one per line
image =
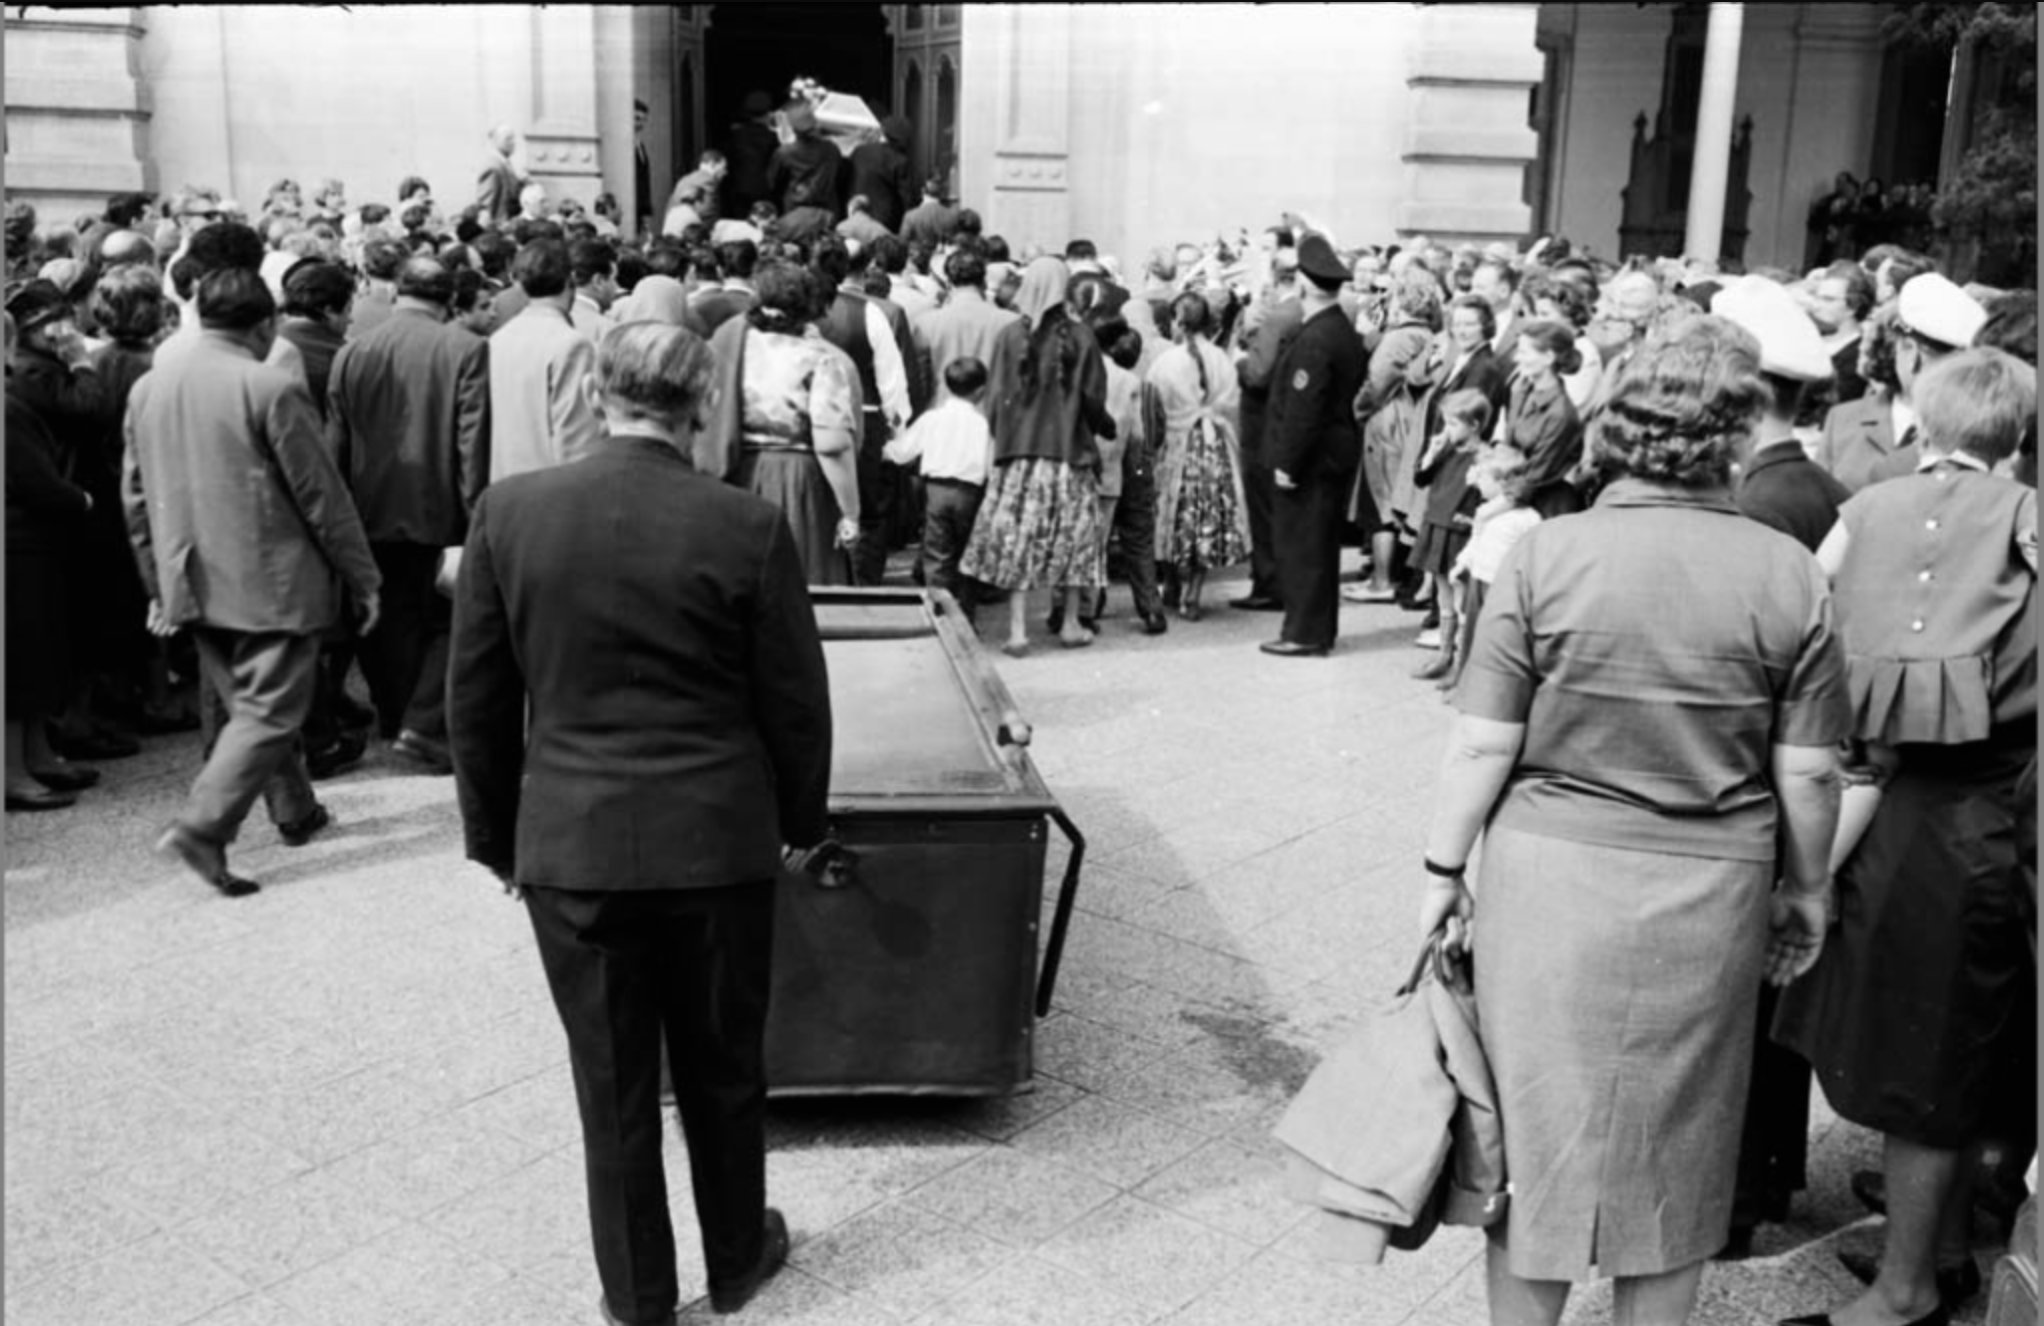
<point x="642" y="172"/>
<point x="244" y="531"/>
<point x="1272" y="338"/>
<point x="640" y="719"/>
<point x="1312" y="446"/>
<point x="882" y="175"/>
<point x="876" y="336"/>
<point x="931" y="221"/>
<point x="735" y="295"/>
<point x="408" y="424"/>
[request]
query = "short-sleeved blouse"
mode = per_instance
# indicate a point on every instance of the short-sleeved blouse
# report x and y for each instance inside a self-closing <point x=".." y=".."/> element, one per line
<point x="1935" y="599"/>
<point x="795" y="388"/>
<point x="1656" y="647"/>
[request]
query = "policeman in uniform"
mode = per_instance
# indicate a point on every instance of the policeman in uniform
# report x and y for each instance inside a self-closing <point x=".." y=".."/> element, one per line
<point x="1312" y="447"/>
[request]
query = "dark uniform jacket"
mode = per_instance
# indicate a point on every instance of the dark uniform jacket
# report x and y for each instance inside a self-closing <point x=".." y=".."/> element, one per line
<point x="1273" y="337"/>
<point x="804" y="174"/>
<point x="1310" y="427"/>
<point x="881" y="172"/>
<point x="46" y="512"/>
<point x="408" y="422"/>
<point x="1783" y="488"/>
<point x="657" y="621"/>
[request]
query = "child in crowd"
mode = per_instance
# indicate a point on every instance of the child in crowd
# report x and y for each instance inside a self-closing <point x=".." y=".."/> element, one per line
<point x="1500" y="522"/>
<point x="1926" y="666"/>
<point x="957" y="452"/>
<point x="1451" y="505"/>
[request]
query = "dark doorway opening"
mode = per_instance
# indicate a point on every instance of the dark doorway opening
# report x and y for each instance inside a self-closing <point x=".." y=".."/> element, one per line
<point x="1909" y="134"/>
<point x="764" y="47"/>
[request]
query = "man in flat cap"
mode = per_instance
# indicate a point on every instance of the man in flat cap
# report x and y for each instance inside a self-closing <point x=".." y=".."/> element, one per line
<point x="1312" y="448"/>
<point x="1866" y="441"/>
<point x="1779" y="485"/>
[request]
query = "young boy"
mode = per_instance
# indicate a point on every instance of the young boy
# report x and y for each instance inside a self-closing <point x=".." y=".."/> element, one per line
<point x="957" y="452"/>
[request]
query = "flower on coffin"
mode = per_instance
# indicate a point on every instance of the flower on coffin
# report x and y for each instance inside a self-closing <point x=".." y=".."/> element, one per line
<point x="808" y="90"/>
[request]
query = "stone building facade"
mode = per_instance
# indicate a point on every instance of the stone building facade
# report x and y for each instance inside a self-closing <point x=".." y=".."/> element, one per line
<point x="1134" y="125"/>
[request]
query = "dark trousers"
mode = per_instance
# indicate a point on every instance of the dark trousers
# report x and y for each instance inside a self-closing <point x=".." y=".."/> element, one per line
<point x="1307" y="521"/>
<point x="950" y="507"/>
<point x="879" y="482"/>
<point x="1135" y="524"/>
<point x="404" y="659"/>
<point x="258" y="691"/>
<point x="1258" y="490"/>
<point x="325" y="724"/>
<point x="1775" y="1142"/>
<point x="690" y="967"/>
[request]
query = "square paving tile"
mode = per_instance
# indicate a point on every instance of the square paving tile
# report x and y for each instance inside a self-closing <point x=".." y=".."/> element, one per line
<point x="408" y="1274"/>
<point x="303" y="1222"/>
<point x="1034" y="1292"/>
<point x="1013" y="1196"/>
<point x="901" y="1257"/>
<point x="1163" y="1259"/>
<point x="158" y="1279"/>
<point x="1119" y="1143"/>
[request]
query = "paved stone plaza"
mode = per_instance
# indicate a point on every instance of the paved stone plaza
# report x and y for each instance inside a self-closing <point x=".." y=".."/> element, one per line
<point x="346" y="1100"/>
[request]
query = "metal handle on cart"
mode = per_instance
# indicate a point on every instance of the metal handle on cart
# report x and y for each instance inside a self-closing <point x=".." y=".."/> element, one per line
<point x="1014" y="729"/>
<point x="1061" y="920"/>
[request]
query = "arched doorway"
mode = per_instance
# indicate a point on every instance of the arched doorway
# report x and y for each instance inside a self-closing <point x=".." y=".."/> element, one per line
<point x="902" y="58"/>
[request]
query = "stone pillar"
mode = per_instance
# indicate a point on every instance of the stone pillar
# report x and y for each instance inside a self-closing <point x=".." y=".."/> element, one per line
<point x="1014" y="119"/>
<point x="76" y="112"/>
<point x="561" y="136"/>
<point x="1711" y="165"/>
<point x="1467" y="140"/>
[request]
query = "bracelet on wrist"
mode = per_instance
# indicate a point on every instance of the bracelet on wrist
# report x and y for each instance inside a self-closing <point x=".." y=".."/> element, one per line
<point x="1440" y="871"/>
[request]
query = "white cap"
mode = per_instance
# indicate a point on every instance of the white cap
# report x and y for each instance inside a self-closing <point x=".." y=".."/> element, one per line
<point x="1789" y="344"/>
<point x="1933" y="307"/>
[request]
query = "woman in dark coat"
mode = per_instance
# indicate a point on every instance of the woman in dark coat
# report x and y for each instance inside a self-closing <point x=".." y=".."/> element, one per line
<point x="1541" y="421"/>
<point x="46" y="520"/>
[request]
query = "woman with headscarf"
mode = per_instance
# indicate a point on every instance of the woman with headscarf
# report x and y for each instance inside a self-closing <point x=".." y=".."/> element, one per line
<point x="658" y="298"/>
<point x="786" y="420"/>
<point x="1046" y="399"/>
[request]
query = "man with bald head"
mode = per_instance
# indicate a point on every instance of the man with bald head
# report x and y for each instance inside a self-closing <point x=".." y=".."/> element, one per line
<point x="1624" y="317"/>
<point x="124" y="248"/>
<point x="497" y="186"/>
<point x="408" y="424"/>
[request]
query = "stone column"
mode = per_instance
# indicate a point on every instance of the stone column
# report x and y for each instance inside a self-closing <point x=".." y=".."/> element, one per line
<point x="76" y="111"/>
<point x="1015" y="108"/>
<point x="1712" y="163"/>
<point x="561" y="136"/>
<point x="1467" y="140"/>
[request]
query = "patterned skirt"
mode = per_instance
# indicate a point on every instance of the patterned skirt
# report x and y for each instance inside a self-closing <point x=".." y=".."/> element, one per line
<point x="1202" y="519"/>
<point x="1038" y="525"/>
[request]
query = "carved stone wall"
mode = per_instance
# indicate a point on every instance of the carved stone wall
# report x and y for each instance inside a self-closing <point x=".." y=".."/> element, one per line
<point x="1467" y="139"/>
<point x="76" y="112"/>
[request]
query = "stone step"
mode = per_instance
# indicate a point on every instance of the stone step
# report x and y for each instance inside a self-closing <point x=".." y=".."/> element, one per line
<point x="27" y="176"/>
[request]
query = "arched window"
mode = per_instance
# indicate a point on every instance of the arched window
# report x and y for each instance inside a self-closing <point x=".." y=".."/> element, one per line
<point x="947" y="117"/>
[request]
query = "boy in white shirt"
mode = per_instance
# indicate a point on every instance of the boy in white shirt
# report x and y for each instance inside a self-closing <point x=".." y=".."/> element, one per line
<point x="957" y="454"/>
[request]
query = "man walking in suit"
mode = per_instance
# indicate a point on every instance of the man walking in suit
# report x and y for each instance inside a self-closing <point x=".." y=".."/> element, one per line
<point x="240" y="522"/>
<point x="1313" y="448"/>
<point x="640" y="719"/>
<point x="408" y="425"/>
<point x="498" y="183"/>
<point x="539" y="414"/>
<point x="964" y="326"/>
<point x="642" y="172"/>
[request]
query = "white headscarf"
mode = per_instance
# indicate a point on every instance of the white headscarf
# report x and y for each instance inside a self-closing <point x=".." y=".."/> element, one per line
<point x="1043" y="288"/>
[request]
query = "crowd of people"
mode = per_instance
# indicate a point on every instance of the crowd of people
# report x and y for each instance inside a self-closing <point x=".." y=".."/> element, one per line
<point x="244" y="454"/>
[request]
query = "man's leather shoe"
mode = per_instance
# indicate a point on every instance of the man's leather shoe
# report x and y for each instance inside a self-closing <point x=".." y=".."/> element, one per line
<point x="423" y="752"/>
<point x="1288" y="649"/>
<point x="344" y="752"/>
<point x="1154" y="624"/>
<point x="300" y="831"/>
<point x="40" y="798"/>
<point x="773" y="1255"/>
<point x="207" y="860"/>
<point x="1935" y="1317"/>
<point x="1257" y="603"/>
<point x="612" y="1319"/>
<point x="1956" y="1284"/>
<point x="66" y="777"/>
